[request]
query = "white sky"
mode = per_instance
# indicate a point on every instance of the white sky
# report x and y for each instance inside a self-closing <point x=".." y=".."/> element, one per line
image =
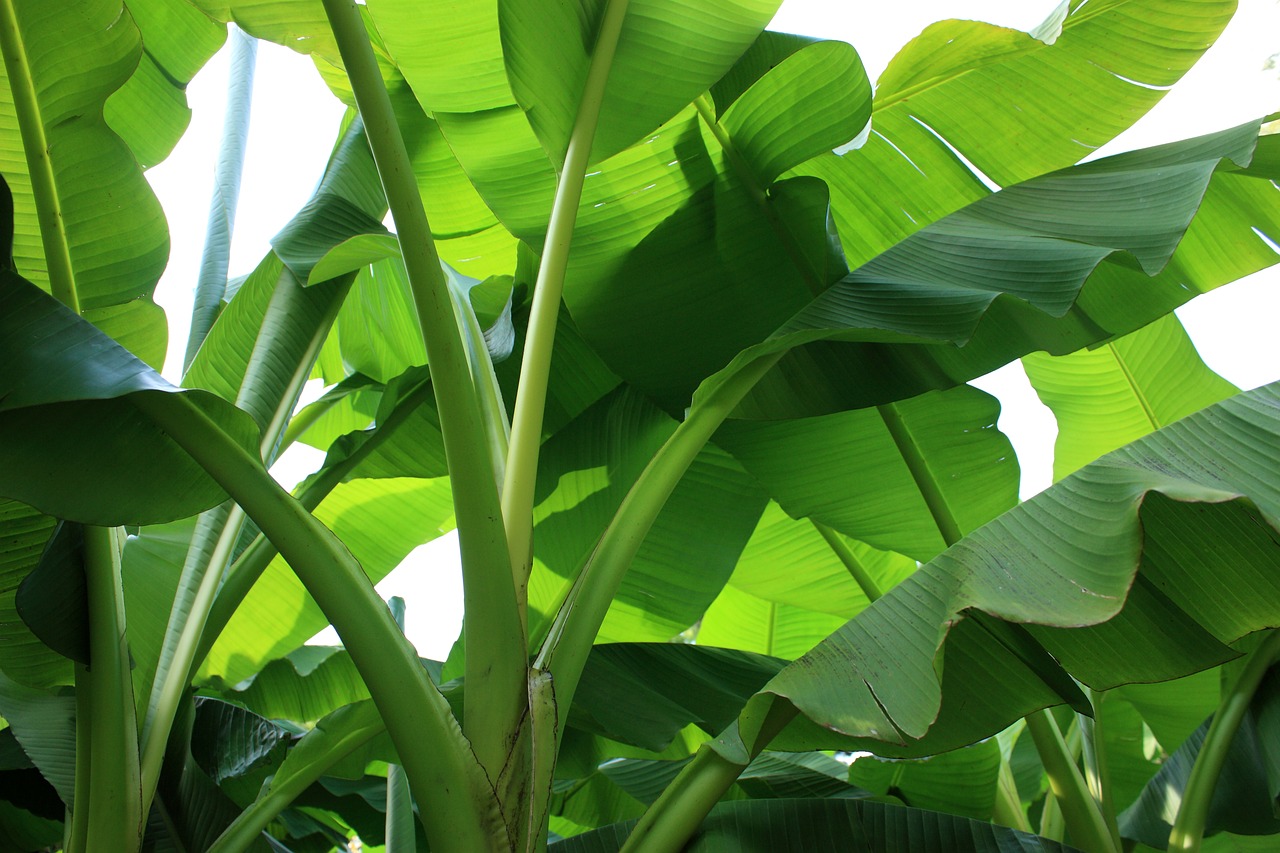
<point x="294" y="122"/>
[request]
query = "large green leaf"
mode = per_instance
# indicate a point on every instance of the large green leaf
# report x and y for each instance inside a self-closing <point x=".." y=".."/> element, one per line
<point x="150" y="111"/>
<point x="962" y="782"/>
<point x="1017" y="105"/>
<point x="71" y="442"/>
<point x="1122" y="390"/>
<point x="62" y="63"/>
<point x="668" y="53"/>
<point x="1032" y="267"/>
<point x="858" y="826"/>
<point x="1165" y="547"/>
<point x="909" y="477"/>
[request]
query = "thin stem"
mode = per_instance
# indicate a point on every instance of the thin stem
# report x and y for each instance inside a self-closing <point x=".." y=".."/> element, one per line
<point x="77" y="830"/>
<point x="921" y="474"/>
<point x="1008" y="809"/>
<point x="459" y="810"/>
<point x="115" y="803"/>
<point x="1080" y="810"/>
<point x="35" y="145"/>
<point x="1094" y="752"/>
<point x="675" y="816"/>
<point x="496" y="656"/>
<point x="255" y="558"/>
<point x="578" y="619"/>
<point x="850" y="560"/>
<point x="181" y="638"/>
<point x="211" y="284"/>
<point x="1193" y="813"/>
<point x="531" y="393"/>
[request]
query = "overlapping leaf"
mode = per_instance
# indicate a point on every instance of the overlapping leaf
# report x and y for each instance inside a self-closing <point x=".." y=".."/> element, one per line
<point x="1068" y="558"/>
<point x="1124" y="389"/>
<point x="72" y="59"/>
<point x="1035" y="266"/>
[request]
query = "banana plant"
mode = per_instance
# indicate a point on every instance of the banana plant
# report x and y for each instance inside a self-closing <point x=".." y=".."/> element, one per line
<point x="674" y="326"/>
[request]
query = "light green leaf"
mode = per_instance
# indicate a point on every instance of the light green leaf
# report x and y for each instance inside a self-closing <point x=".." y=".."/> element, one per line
<point x="1122" y="390"/>
<point x="68" y="61"/>
<point x="669" y="52"/>
<point x="908" y="477"/>
<point x="962" y="782"/>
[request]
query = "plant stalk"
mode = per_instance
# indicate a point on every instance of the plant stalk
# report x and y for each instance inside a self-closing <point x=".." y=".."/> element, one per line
<point x="496" y="656"/>
<point x="253" y="561"/>
<point x="459" y="809"/>
<point x="115" y="819"/>
<point x="211" y="283"/>
<point x="1084" y="819"/>
<point x="531" y="392"/>
<point x="1193" y="813"/>
<point x="675" y="816"/>
<point x="578" y="619"/>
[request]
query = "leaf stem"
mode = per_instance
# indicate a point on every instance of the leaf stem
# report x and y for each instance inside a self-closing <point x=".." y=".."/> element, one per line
<point x="496" y="656"/>
<point x="675" y="816"/>
<point x="253" y="561"/>
<point x="35" y="145"/>
<point x="211" y="283"/>
<point x="115" y="796"/>
<point x="1193" y="813"/>
<point x="850" y="560"/>
<point x="531" y="392"/>
<point x="578" y="619"/>
<point x="1080" y="810"/>
<point x="459" y="809"/>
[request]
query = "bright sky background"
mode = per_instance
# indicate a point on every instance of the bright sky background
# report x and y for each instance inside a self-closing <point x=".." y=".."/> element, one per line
<point x="295" y="119"/>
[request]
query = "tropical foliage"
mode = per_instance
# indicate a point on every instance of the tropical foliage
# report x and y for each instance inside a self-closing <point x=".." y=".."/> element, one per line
<point x="691" y="386"/>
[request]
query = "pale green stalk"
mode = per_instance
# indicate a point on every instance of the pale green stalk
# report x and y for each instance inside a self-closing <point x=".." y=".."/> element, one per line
<point x="496" y="655"/>
<point x="1008" y="806"/>
<point x="250" y="823"/>
<point x="577" y="621"/>
<point x="531" y="393"/>
<point x="1080" y="811"/>
<point x="211" y="283"/>
<point x="255" y="558"/>
<point x="203" y="570"/>
<point x="1094" y="751"/>
<point x="1193" y="813"/>
<point x="115" y="819"/>
<point x="459" y="809"/>
<point x="675" y="816"/>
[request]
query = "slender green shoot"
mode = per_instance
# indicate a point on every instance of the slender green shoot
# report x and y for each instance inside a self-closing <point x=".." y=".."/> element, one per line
<point x="1080" y="810"/>
<point x="1008" y="809"/>
<point x="496" y="656"/>
<point x="459" y="809"/>
<point x="115" y="820"/>
<point x="531" y="393"/>
<point x="211" y="283"/>
<point x="1094" y="752"/>
<point x="578" y="619"/>
<point x="674" y="817"/>
<point x="1193" y="813"/>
